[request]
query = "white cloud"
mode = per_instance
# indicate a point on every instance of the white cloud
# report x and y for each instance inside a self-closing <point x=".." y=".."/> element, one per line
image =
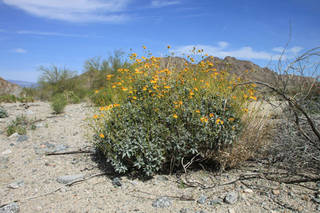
<point x="19" y="50"/>
<point x="163" y="3"/>
<point x="40" y="33"/>
<point x="247" y="52"/>
<point x="74" y="10"/>
<point x="293" y="50"/>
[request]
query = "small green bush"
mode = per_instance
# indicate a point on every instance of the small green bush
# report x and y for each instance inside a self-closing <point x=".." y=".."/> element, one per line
<point x="3" y="113"/>
<point x="19" y="125"/>
<point x="58" y="103"/>
<point x="71" y="97"/>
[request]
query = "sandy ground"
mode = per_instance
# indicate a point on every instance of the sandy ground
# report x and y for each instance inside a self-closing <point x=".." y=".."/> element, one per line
<point x="33" y="176"/>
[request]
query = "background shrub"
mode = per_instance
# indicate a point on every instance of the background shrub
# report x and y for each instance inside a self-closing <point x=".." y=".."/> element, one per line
<point x="58" y="103"/>
<point x="3" y="113"/>
<point x="163" y="117"/>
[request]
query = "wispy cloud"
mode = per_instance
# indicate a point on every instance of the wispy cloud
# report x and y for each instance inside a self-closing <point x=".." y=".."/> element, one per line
<point x="293" y="50"/>
<point x="19" y="50"/>
<point x="221" y="50"/>
<point x="163" y="3"/>
<point x="74" y="10"/>
<point x="40" y="33"/>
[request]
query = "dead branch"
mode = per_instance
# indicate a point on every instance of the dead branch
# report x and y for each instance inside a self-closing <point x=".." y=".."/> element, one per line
<point x="70" y="152"/>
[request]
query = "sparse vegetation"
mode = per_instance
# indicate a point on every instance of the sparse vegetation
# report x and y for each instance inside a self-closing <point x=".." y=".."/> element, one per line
<point x="58" y="103"/>
<point x="3" y="113"/>
<point x="19" y="125"/>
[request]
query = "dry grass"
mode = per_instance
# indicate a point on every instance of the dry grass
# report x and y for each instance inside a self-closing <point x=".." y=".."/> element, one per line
<point x="256" y="134"/>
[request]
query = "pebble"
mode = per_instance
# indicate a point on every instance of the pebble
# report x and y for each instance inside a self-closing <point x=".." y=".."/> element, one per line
<point x="183" y="210"/>
<point x="16" y="184"/>
<point x="215" y="202"/>
<point x="201" y="211"/>
<point x="247" y="191"/>
<point x="14" y="135"/>
<point x="318" y="208"/>
<point x="6" y="152"/>
<point x="10" y="208"/>
<point x="231" y="211"/>
<point x="231" y="198"/>
<point x="162" y="202"/>
<point x="276" y="192"/>
<point x="202" y="199"/>
<point x="316" y="200"/>
<point x="162" y="178"/>
<point x="116" y="182"/>
<point x="69" y="178"/>
<point x="22" y="138"/>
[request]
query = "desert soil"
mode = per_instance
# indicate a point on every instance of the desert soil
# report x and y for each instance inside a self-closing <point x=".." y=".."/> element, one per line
<point x="29" y="176"/>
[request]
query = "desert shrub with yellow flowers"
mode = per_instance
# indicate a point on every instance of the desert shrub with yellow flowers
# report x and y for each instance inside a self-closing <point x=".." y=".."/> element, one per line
<point x="159" y="116"/>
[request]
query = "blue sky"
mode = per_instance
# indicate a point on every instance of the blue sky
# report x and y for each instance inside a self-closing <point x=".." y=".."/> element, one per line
<point x="68" y="32"/>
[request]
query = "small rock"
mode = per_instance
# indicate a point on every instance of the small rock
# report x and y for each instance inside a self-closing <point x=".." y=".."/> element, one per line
<point x="318" y="184"/>
<point x="276" y="192"/>
<point x="231" y="211"/>
<point x="6" y="152"/>
<point x="162" y="178"/>
<point x="215" y="202"/>
<point x="116" y="182"/>
<point x="38" y="125"/>
<point x="202" y="199"/>
<point x="29" y="112"/>
<point x="69" y="178"/>
<point x="60" y="147"/>
<point x="183" y="210"/>
<point x="201" y="211"/>
<point x="247" y="191"/>
<point x="16" y="185"/>
<point x="316" y="200"/>
<point x="162" y="202"/>
<point x="10" y="208"/>
<point x="231" y="198"/>
<point x="22" y="138"/>
<point x="318" y="208"/>
<point x="14" y="135"/>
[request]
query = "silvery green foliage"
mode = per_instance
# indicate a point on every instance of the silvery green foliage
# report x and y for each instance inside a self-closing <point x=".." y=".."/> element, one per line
<point x="3" y="113"/>
<point x="138" y="137"/>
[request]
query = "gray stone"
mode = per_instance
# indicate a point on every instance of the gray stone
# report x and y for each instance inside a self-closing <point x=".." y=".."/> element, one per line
<point x="22" y="138"/>
<point x="162" y="178"/>
<point x="116" y="182"/>
<point x="183" y="210"/>
<point x="201" y="211"/>
<point x="202" y="199"/>
<point x="215" y="202"/>
<point x="231" y="198"/>
<point x="162" y="202"/>
<point x="318" y="208"/>
<point x="60" y="147"/>
<point x="10" y="208"/>
<point x="69" y="178"/>
<point x="318" y="184"/>
<point x="316" y="200"/>
<point x="16" y="184"/>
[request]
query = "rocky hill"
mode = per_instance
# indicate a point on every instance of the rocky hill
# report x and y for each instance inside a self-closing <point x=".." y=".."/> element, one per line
<point x="9" y="88"/>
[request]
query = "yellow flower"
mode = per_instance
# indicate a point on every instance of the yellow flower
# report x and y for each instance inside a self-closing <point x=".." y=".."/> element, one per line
<point x="204" y="119"/>
<point x="102" y="108"/>
<point x="167" y="87"/>
<point x="96" y="91"/>
<point x="253" y="98"/>
<point x="144" y="47"/>
<point x="144" y="88"/>
<point x="219" y="121"/>
<point x="197" y="111"/>
<point x="95" y="116"/>
<point x="134" y="97"/>
<point x="114" y="86"/>
<point x="245" y="110"/>
<point x="211" y="115"/>
<point x="175" y="116"/>
<point x="124" y="89"/>
<point x="101" y="135"/>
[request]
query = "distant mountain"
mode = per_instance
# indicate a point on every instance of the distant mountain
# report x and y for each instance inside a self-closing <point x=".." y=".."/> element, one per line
<point x="9" y="88"/>
<point x="23" y="83"/>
